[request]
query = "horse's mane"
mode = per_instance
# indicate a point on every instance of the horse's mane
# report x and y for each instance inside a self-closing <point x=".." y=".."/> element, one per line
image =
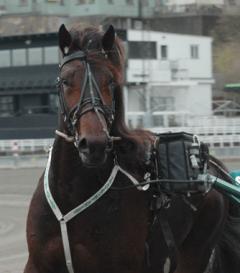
<point x="90" y="39"/>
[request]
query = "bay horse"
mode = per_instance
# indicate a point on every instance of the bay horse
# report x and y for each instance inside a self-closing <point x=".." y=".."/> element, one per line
<point x="83" y="218"/>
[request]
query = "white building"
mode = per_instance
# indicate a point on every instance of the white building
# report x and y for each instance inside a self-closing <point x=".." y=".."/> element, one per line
<point x="168" y="77"/>
<point x="194" y="6"/>
<point x="194" y="2"/>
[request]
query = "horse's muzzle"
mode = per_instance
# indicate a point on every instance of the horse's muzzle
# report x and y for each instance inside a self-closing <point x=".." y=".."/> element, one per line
<point x="93" y="150"/>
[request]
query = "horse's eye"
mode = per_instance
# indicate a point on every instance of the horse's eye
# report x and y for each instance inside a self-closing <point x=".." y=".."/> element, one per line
<point x="65" y="82"/>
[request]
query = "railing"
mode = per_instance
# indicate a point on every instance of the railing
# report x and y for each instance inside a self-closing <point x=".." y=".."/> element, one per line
<point x="216" y="131"/>
<point x="183" y="119"/>
<point x="25" y="146"/>
<point x="214" y="137"/>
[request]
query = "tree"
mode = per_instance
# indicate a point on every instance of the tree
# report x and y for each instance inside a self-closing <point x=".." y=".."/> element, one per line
<point x="226" y="48"/>
<point x="227" y="30"/>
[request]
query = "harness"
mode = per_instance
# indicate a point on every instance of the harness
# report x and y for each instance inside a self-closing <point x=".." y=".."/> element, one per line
<point x="90" y="100"/>
<point x="167" y="177"/>
<point x="161" y="200"/>
<point x="64" y="219"/>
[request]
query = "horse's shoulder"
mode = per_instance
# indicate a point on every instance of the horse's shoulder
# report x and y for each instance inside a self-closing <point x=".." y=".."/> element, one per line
<point x="38" y="194"/>
<point x="39" y="211"/>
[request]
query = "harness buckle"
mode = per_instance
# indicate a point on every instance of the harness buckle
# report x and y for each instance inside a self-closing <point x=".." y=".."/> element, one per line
<point x="160" y="201"/>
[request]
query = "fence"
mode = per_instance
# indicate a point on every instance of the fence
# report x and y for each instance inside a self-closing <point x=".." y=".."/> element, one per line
<point x="218" y="132"/>
<point x="25" y="146"/>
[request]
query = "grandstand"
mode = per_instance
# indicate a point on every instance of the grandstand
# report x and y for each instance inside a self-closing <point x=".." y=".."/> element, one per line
<point x="28" y="98"/>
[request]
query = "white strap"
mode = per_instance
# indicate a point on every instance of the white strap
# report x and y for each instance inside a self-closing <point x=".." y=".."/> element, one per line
<point x="94" y="197"/>
<point x="134" y="181"/>
<point x="47" y="191"/>
<point x="66" y="246"/>
<point x="63" y="219"/>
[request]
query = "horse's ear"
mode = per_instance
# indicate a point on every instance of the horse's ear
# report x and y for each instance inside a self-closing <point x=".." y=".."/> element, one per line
<point x="108" y="38"/>
<point x="64" y="39"/>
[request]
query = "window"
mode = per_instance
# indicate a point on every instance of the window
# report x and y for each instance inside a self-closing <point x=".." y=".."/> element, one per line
<point x="23" y="2"/>
<point x="136" y="99"/>
<point x="162" y="103"/>
<point x="130" y="2"/>
<point x="145" y="3"/>
<point x="61" y="2"/>
<point x="35" y="56"/>
<point x="51" y="55"/>
<point x="31" y="104"/>
<point x="5" y="58"/>
<point x="137" y="24"/>
<point x="164" y="52"/>
<point x="194" y="51"/>
<point x="81" y="2"/>
<point x="111" y="2"/>
<point x="53" y="102"/>
<point x="19" y="57"/>
<point x="142" y="50"/>
<point x="232" y="2"/>
<point x="6" y="105"/>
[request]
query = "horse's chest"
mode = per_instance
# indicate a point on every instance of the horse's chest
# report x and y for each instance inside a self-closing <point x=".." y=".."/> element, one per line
<point x="106" y="220"/>
<point x="108" y="228"/>
<point x="91" y="240"/>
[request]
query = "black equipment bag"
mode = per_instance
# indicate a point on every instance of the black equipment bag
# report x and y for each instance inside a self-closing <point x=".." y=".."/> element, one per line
<point x="181" y="158"/>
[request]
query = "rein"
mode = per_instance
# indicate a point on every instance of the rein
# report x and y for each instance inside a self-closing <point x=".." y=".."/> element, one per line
<point x="64" y="219"/>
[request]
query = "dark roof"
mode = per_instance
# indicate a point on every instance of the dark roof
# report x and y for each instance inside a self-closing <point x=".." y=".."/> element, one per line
<point x="29" y="40"/>
<point x="38" y="39"/>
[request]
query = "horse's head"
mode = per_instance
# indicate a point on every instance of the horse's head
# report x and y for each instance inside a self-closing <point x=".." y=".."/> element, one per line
<point x="90" y="71"/>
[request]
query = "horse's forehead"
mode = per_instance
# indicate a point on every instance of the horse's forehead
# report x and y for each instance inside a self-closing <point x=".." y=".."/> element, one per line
<point x="72" y="67"/>
<point x="101" y="71"/>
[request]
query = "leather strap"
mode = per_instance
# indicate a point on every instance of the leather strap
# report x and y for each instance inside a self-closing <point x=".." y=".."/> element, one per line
<point x="168" y="236"/>
<point x="76" y="55"/>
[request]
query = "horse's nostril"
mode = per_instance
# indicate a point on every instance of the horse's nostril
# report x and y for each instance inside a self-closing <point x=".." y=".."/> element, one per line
<point x="83" y="145"/>
<point x="92" y="145"/>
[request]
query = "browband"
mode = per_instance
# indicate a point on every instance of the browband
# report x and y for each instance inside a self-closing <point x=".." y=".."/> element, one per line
<point x="76" y="55"/>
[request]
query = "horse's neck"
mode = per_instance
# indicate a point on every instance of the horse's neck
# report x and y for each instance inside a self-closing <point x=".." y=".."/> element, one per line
<point x="64" y="160"/>
<point x="69" y="179"/>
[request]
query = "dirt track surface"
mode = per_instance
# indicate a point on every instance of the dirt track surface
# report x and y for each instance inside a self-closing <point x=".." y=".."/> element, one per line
<point x="16" y="188"/>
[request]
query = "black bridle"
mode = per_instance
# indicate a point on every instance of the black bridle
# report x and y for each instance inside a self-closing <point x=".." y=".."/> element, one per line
<point x="90" y="99"/>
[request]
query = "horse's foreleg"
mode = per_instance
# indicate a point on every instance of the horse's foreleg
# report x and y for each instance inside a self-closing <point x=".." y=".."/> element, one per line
<point x="195" y="251"/>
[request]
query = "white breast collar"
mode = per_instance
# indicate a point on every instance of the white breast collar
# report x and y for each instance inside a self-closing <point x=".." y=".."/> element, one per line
<point x="63" y="219"/>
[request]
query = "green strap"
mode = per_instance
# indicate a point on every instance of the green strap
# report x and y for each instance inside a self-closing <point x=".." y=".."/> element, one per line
<point x="225" y="186"/>
<point x="231" y="190"/>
